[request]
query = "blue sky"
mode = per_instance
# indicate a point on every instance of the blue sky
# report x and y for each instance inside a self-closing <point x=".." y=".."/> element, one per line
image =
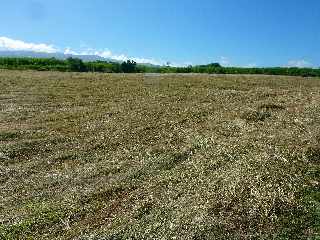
<point x="233" y="32"/>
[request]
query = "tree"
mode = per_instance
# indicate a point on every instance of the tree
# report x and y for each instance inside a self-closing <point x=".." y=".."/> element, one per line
<point x="76" y="65"/>
<point x="129" y="66"/>
<point x="216" y="65"/>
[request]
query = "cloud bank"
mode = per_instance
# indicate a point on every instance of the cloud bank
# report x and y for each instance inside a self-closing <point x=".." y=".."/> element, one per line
<point x="299" y="63"/>
<point x="224" y="61"/>
<point x="17" y="45"/>
<point x="9" y="44"/>
<point x="108" y="54"/>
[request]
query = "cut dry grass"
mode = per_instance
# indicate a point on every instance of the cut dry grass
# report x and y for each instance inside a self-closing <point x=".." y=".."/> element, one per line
<point x="102" y="156"/>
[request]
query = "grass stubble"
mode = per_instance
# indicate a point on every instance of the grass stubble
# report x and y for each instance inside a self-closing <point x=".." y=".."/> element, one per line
<point x="146" y="156"/>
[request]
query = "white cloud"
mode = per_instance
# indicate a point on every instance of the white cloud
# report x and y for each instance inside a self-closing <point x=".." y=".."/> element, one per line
<point x="122" y="57"/>
<point x="147" y="60"/>
<point x="69" y="51"/>
<point x="18" y="45"/>
<point x="108" y="54"/>
<point x="251" y="65"/>
<point x="224" y="61"/>
<point x="299" y="63"/>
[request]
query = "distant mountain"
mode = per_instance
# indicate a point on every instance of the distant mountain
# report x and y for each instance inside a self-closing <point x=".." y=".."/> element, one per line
<point x="62" y="56"/>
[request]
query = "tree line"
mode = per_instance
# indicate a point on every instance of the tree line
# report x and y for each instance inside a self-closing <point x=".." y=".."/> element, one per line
<point x="77" y="65"/>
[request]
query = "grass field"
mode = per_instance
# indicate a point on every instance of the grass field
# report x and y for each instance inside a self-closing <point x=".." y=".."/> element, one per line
<point x="102" y="156"/>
